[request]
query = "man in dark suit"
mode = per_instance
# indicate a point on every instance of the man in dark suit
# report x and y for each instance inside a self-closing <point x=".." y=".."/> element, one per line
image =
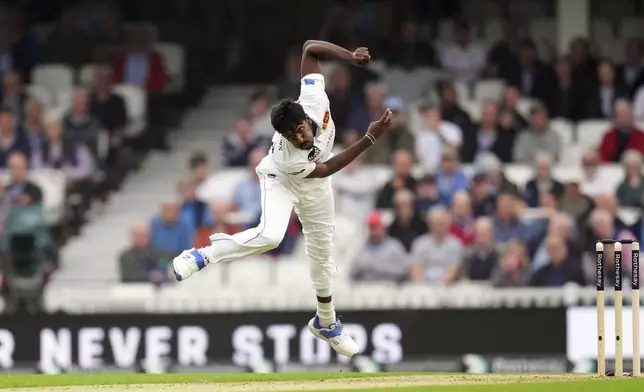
<point x="631" y="73"/>
<point x="602" y="97"/>
<point x="543" y="182"/>
<point x="532" y="77"/>
<point x="12" y="139"/>
<point x="21" y="191"/>
<point x="488" y="137"/>
<point x="13" y="95"/>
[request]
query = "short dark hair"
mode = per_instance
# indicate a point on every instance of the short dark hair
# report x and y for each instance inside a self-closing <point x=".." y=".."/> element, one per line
<point x="198" y="159"/>
<point x="286" y="116"/>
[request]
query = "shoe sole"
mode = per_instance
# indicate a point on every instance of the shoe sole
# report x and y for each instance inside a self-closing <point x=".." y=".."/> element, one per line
<point x="330" y="343"/>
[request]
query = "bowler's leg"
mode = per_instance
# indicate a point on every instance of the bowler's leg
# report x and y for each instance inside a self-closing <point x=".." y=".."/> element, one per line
<point x="277" y="204"/>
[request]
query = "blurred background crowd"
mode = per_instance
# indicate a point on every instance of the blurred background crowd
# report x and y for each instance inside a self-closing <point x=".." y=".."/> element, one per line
<point x="510" y="154"/>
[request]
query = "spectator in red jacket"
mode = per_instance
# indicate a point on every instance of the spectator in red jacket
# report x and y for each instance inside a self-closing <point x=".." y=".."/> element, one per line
<point x="141" y="65"/>
<point x="623" y="136"/>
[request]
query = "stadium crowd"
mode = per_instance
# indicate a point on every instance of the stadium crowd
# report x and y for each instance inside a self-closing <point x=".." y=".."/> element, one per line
<point x="67" y="133"/>
<point x="433" y="222"/>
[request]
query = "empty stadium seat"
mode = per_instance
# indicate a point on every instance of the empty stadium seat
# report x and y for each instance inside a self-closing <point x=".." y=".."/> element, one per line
<point x="86" y="75"/>
<point x="40" y="93"/>
<point x="525" y="105"/>
<point x="136" y="103"/>
<point x="174" y="59"/>
<point x="591" y="132"/>
<point x="221" y="186"/>
<point x="473" y="109"/>
<point x="463" y="92"/>
<point x="564" y="128"/>
<point x="518" y="174"/>
<point x="629" y="215"/>
<point x="488" y="89"/>
<point x="53" y="77"/>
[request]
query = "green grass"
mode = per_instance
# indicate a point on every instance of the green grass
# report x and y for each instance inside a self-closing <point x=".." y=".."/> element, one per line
<point x="525" y="385"/>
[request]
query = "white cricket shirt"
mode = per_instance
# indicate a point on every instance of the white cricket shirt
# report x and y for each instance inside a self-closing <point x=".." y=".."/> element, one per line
<point x="295" y="164"/>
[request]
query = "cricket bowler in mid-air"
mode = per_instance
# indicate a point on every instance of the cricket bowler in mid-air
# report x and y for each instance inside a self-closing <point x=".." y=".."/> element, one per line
<point x="296" y="173"/>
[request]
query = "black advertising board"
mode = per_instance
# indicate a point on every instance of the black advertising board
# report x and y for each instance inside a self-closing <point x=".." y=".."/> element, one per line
<point x="388" y="337"/>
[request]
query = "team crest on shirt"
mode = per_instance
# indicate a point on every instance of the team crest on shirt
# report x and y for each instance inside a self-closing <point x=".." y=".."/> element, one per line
<point x="325" y="121"/>
<point x="314" y="154"/>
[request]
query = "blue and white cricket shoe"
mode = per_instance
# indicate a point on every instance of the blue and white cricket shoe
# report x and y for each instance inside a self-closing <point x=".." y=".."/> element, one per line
<point x="335" y="336"/>
<point x="187" y="263"/>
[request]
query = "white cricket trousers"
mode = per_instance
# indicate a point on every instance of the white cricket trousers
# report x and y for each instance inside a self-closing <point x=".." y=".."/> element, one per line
<point x="316" y="211"/>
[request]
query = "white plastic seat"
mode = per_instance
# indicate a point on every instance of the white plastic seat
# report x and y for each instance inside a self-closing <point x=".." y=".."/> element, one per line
<point x="462" y="91"/>
<point x="564" y="129"/>
<point x="52" y="183"/>
<point x="591" y="132"/>
<point x="40" y="93"/>
<point x="136" y="103"/>
<point x="518" y="174"/>
<point x="250" y="273"/>
<point x="174" y="60"/>
<point x="473" y="108"/>
<point x="488" y="89"/>
<point x="541" y="29"/>
<point x="53" y="77"/>
<point x="628" y="215"/>
<point x="221" y="186"/>
<point x="601" y="28"/>
<point x="524" y="105"/>
<point x="86" y="75"/>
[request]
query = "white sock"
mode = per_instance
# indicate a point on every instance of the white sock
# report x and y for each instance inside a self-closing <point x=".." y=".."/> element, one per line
<point x="326" y="313"/>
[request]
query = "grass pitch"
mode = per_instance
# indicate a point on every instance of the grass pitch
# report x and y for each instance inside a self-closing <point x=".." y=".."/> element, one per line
<point x="338" y="382"/>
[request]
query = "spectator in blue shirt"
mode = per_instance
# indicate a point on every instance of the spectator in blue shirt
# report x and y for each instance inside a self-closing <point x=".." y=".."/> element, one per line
<point x="450" y="179"/>
<point x="170" y="232"/>
<point x="507" y="225"/>
<point x="248" y="197"/>
<point x="193" y="211"/>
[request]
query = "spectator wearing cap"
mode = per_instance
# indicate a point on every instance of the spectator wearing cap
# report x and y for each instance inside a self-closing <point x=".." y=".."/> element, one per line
<point x="398" y="137"/>
<point x="483" y="203"/>
<point x="594" y="182"/>
<point x="462" y="226"/>
<point x="407" y="225"/>
<point x="463" y="58"/>
<point x="248" y="199"/>
<point x="538" y="138"/>
<point x="542" y="182"/>
<point x="450" y="108"/>
<point x="170" y="233"/>
<point x="507" y="225"/>
<point x="623" y="136"/>
<point x="450" y="179"/>
<point x="12" y="139"/>
<point x="488" y="137"/>
<point x="372" y="108"/>
<point x="238" y="144"/>
<point x="631" y="191"/>
<point x="481" y="258"/>
<point x="435" y="136"/>
<point x="601" y="98"/>
<point x="382" y="258"/>
<point x="142" y="262"/>
<point x="354" y="189"/>
<point x="402" y="179"/>
<point x="427" y="195"/>
<point x="436" y="256"/>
